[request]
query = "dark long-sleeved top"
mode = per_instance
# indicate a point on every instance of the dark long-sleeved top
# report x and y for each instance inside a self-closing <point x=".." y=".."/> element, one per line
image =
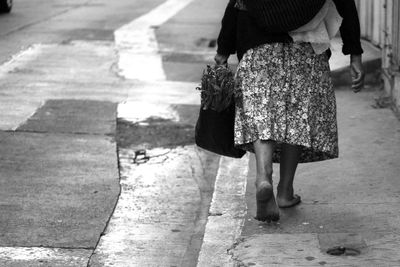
<point x="240" y="32"/>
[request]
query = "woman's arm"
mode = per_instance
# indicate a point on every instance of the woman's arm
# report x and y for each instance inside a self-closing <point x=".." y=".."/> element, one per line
<point x="350" y="28"/>
<point x="227" y="36"/>
<point x="350" y="33"/>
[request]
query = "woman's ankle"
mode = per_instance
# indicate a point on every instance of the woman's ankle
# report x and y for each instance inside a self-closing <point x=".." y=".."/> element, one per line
<point x="263" y="181"/>
<point x="285" y="191"/>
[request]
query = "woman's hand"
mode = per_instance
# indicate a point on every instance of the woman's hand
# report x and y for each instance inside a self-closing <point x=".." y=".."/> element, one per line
<point x="221" y="59"/>
<point x="357" y="73"/>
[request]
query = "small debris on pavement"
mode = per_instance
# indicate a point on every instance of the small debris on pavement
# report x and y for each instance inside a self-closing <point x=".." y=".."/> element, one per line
<point x="141" y="157"/>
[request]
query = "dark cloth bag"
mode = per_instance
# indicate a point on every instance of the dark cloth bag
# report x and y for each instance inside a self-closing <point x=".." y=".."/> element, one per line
<point x="281" y="16"/>
<point x="215" y="132"/>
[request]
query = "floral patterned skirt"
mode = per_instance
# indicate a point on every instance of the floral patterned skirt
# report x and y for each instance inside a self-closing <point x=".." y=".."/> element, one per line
<point x="284" y="93"/>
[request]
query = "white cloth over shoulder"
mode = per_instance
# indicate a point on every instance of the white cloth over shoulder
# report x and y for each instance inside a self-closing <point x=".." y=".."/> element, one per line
<point x="321" y="29"/>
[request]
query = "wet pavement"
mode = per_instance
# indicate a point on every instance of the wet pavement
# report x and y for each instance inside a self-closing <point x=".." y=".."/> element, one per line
<point x="155" y="132"/>
<point x="161" y="211"/>
<point x="74" y="116"/>
<point x="99" y="167"/>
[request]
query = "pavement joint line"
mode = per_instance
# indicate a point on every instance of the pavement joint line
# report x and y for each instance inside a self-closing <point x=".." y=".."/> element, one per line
<point x="32" y="113"/>
<point x="117" y="151"/>
<point x="58" y="133"/>
<point x="111" y="214"/>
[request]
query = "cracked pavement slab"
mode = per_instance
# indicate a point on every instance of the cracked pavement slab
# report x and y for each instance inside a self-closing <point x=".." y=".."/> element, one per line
<point x="159" y="212"/>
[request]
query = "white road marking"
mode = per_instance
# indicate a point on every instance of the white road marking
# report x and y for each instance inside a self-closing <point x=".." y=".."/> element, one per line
<point x="16" y="256"/>
<point x="13" y="113"/>
<point x="137" y="45"/>
<point x="20" y="59"/>
<point x="79" y="70"/>
<point x="142" y="111"/>
<point x="147" y="99"/>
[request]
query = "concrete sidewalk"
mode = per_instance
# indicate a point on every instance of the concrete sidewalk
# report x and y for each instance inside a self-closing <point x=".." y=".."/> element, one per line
<point x="349" y="202"/>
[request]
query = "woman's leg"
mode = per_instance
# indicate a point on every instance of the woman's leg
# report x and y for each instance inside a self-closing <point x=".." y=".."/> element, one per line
<point x="289" y="160"/>
<point x="267" y="209"/>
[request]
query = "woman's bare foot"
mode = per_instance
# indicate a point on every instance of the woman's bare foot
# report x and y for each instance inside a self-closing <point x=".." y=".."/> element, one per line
<point x="286" y="198"/>
<point x="267" y="210"/>
<point x="288" y="203"/>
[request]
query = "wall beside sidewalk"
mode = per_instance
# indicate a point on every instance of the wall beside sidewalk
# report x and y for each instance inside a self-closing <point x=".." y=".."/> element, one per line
<point x="380" y="24"/>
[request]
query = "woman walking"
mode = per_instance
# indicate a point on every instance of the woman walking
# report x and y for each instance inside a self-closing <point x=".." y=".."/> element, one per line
<point x="284" y="98"/>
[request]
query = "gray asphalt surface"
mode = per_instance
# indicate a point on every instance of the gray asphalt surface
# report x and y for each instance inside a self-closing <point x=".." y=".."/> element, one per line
<point x="59" y="176"/>
<point x="43" y="21"/>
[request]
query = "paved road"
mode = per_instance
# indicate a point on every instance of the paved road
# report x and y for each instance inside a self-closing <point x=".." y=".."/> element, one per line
<point x="57" y="21"/>
<point x="66" y="73"/>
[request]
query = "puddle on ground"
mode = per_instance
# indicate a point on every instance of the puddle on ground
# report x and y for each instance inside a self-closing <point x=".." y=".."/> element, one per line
<point x="154" y="132"/>
<point x="174" y="127"/>
<point x="343" y="251"/>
